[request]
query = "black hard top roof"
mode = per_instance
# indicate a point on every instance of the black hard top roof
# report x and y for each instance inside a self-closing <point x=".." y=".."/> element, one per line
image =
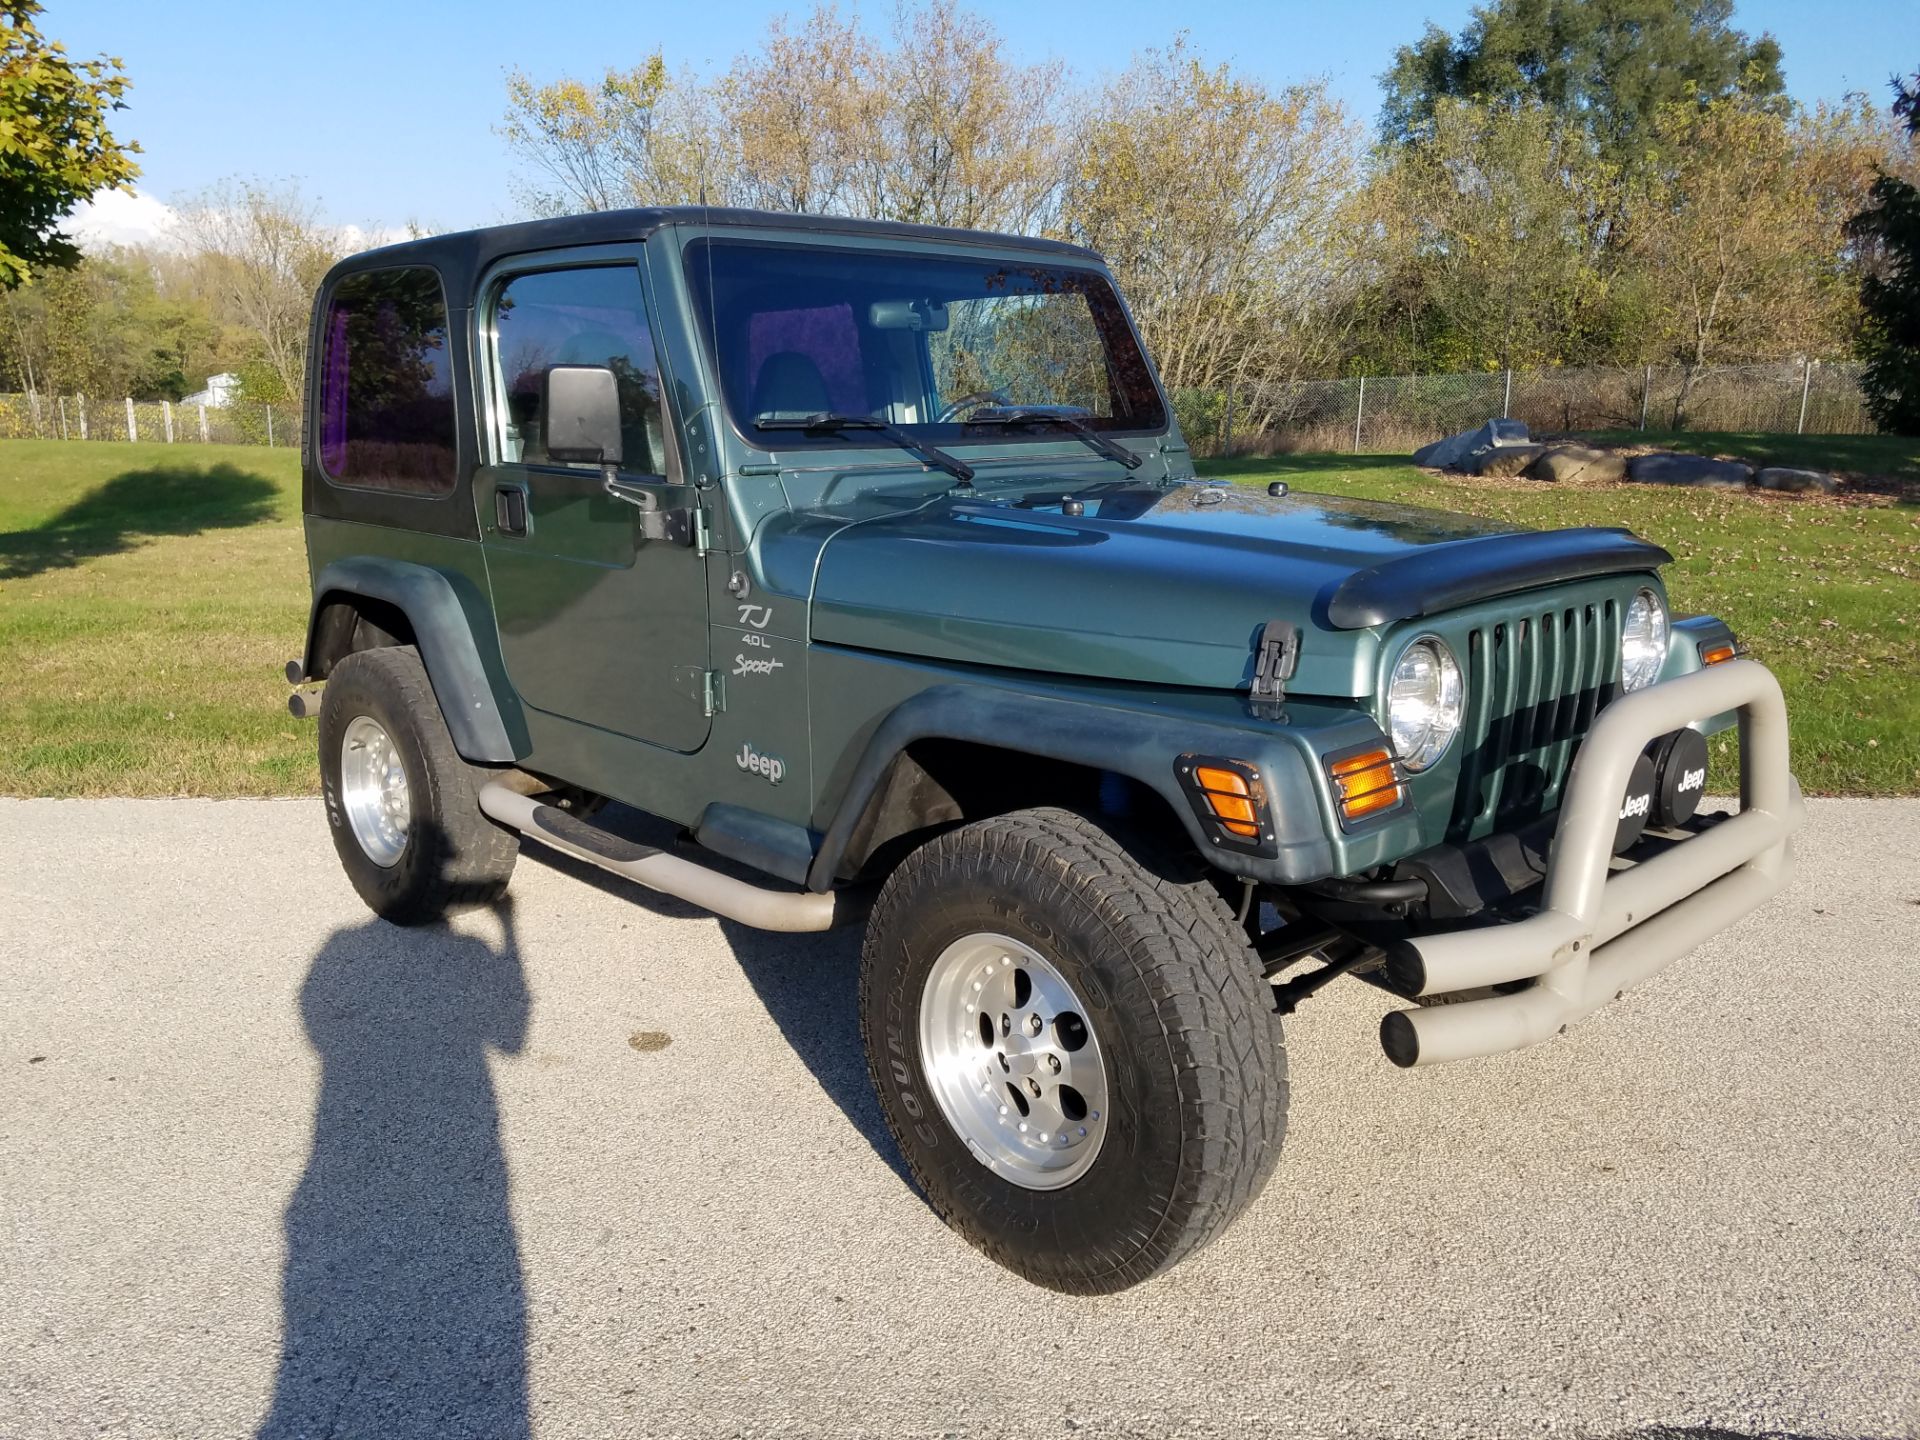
<point x="465" y="253"/>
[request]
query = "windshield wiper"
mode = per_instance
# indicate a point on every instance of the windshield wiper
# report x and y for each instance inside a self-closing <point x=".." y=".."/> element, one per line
<point x="826" y="422"/>
<point x="1072" y="424"/>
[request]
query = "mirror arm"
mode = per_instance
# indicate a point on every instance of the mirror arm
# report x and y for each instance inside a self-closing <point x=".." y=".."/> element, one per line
<point x="675" y="526"/>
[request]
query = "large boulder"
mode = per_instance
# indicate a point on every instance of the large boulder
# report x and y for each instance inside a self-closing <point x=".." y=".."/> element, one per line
<point x="1795" y="482"/>
<point x="1567" y="463"/>
<point x="1504" y="461"/>
<point x="1694" y="470"/>
<point x="1455" y="451"/>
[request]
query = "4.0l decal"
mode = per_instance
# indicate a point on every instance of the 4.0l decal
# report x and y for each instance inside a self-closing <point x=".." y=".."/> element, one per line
<point x="758" y="617"/>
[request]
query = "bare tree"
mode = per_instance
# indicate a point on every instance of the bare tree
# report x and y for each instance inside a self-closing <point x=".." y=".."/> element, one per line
<point x="1491" y="224"/>
<point x="938" y="126"/>
<point x="259" y="252"/>
<point x="591" y="145"/>
<point x="797" y="112"/>
<point x="1740" y="236"/>
<point x="1227" y="210"/>
<point x="972" y="138"/>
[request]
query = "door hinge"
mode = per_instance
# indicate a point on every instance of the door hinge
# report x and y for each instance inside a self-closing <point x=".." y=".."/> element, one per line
<point x="706" y="688"/>
<point x="702" y="530"/>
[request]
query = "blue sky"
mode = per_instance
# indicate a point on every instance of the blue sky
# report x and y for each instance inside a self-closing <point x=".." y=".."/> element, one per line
<point x="384" y="111"/>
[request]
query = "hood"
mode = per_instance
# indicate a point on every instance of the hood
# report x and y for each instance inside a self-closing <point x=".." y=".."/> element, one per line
<point x="1171" y="584"/>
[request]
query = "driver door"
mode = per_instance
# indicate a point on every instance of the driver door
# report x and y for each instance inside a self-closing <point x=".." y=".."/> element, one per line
<point x="598" y="624"/>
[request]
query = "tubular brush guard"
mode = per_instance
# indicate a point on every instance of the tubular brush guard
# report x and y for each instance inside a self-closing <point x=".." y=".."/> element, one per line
<point x="1601" y="931"/>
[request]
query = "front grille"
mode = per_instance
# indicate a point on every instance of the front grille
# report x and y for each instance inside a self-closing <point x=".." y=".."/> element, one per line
<point x="1534" y="684"/>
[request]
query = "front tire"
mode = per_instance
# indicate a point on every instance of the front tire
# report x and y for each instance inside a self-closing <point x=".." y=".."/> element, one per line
<point x="403" y="806"/>
<point x="1029" y="970"/>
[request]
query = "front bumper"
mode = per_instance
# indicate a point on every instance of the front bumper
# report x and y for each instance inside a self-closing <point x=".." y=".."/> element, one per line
<point x="1601" y="930"/>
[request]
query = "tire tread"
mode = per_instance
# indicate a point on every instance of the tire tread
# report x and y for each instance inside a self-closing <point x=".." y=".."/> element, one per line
<point x="1215" y="1010"/>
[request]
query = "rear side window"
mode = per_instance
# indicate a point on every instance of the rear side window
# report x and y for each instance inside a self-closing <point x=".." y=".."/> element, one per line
<point x="386" y="384"/>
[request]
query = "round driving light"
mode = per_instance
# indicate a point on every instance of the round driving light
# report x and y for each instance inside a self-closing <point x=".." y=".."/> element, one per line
<point x="1643" y="641"/>
<point x="1424" y="700"/>
<point x="1636" y="806"/>
<point x="1680" y="776"/>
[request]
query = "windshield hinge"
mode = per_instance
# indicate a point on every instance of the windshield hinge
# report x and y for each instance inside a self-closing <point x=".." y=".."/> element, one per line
<point x="1276" y="653"/>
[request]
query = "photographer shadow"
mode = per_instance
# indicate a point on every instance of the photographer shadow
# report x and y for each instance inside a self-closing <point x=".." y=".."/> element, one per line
<point x="404" y="1299"/>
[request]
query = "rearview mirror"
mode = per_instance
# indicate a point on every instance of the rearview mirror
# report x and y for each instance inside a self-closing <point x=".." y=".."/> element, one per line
<point x="580" y="405"/>
<point x="907" y="315"/>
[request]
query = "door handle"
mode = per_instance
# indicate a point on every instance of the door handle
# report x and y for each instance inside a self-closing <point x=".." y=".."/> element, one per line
<point x="510" y="509"/>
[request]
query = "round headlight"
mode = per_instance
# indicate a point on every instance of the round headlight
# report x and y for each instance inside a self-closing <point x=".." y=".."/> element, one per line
<point x="1424" y="701"/>
<point x="1643" y="641"/>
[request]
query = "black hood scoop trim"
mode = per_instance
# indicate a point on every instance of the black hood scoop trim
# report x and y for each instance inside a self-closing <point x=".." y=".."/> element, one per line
<point x="1439" y="578"/>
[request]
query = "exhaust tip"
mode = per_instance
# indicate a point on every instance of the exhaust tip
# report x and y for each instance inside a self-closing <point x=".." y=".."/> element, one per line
<point x="1404" y="970"/>
<point x="1399" y="1039"/>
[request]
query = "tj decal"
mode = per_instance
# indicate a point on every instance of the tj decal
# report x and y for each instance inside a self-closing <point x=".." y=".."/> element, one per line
<point x="758" y="617"/>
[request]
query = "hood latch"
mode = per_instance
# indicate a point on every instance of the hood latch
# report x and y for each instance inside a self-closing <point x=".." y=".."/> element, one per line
<point x="1276" y="653"/>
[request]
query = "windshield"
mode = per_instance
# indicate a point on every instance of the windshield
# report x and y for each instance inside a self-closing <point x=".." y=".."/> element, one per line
<point x="938" y="347"/>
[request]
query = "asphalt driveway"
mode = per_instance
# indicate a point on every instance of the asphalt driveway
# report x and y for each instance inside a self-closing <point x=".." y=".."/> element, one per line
<point x="604" y="1166"/>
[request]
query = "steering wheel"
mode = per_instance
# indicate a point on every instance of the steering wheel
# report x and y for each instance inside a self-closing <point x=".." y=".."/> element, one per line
<point x="953" y="408"/>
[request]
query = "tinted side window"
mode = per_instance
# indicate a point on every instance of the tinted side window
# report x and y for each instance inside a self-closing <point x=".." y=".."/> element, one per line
<point x="586" y="316"/>
<point x="386" y="383"/>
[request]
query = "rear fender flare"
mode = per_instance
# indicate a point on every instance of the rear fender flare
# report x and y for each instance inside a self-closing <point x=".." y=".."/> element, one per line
<point x="469" y="699"/>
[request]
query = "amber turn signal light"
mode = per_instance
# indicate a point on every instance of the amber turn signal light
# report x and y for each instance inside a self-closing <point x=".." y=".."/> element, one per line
<point x="1229" y="798"/>
<point x="1717" y="653"/>
<point x="1366" y="783"/>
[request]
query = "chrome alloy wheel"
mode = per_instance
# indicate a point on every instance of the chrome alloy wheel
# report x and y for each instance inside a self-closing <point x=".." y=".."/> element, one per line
<point x="1013" y="1062"/>
<point x="373" y="791"/>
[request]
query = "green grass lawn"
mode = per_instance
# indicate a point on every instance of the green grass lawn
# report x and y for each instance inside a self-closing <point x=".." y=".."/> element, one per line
<point x="1825" y="592"/>
<point x="149" y="595"/>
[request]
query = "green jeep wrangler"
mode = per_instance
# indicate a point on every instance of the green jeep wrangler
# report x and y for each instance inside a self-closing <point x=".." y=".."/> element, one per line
<point x="870" y="557"/>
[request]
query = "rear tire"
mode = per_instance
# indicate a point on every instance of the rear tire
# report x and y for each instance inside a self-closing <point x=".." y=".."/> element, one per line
<point x="403" y="806"/>
<point x="1179" y="1088"/>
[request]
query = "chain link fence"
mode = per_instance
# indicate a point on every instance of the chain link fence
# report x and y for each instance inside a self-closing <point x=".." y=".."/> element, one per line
<point x="80" y="417"/>
<point x="1391" y="414"/>
<point x="1399" y="413"/>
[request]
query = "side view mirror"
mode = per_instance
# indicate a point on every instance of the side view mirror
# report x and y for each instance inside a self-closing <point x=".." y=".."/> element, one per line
<point x="580" y="406"/>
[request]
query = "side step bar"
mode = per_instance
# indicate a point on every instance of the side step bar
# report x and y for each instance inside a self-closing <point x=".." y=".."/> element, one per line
<point x="657" y="870"/>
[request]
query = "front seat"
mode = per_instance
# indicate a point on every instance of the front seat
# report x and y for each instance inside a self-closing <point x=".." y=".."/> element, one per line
<point x="789" y="380"/>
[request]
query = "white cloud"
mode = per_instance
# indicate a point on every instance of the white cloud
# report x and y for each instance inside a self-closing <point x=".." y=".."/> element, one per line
<point x="114" y="217"/>
<point x="371" y="237"/>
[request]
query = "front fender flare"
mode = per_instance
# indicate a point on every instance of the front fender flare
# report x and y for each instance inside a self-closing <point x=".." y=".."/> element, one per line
<point x="469" y="699"/>
<point x="1133" y="742"/>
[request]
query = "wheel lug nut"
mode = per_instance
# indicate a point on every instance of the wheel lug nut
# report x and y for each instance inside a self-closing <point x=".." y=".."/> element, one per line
<point x="1033" y="1087"/>
<point x="1033" y="1025"/>
<point x="1053" y="1063"/>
